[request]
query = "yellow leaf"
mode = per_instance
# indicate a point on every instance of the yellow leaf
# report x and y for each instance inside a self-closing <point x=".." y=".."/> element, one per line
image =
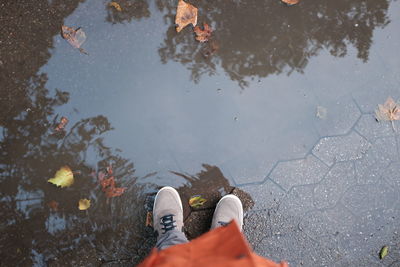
<point x="197" y="201"/>
<point x="84" y="204"/>
<point x="64" y="177"/>
<point x="116" y="6"/>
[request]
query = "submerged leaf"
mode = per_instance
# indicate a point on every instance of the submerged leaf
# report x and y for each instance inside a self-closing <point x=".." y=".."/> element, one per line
<point x="197" y="201"/>
<point x="84" y="204"/>
<point x="75" y="37"/>
<point x="62" y="124"/>
<point x="389" y="111"/>
<point x="290" y="2"/>
<point x="116" y="6"/>
<point x="149" y="219"/>
<point x="63" y="177"/>
<point x="384" y="251"/>
<point x="53" y="205"/>
<point x="203" y="35"/>
<point x="108" y="184"/>
<point x="185" y="14"/>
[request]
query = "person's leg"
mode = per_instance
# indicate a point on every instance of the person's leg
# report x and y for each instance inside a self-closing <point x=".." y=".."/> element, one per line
<point x="228" y="208"/>
<point x="168" y="218"/>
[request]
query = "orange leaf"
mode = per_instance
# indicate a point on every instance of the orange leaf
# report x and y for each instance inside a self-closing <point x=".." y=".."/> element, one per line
<point x="53" y="205"/>
<point x="149" y="219"/>
<point x="203" y="35"/>
<point x="290" y="2"/>
<point x="109" y="182"/>
<point x="185" y="14"/>
<point x="115" y="191"/>
<point x="61" y="125"/>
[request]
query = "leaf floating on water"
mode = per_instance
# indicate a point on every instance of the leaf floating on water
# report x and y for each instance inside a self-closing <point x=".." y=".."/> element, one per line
<point x="84" y="204"/>
<point x="197" y="201"/>
<point x="389" y="111"/>
<point x="203" y="35"/>
<point x="321" y="112"/>
<point x="53" y="205"/>
<point x="384" y="251"/>
<point x="63" y="178"/>
<point x="149" y="219"/>
<point x="75" y="37"/>
<point x="62" y="124"/>
<point x="108" y="184"/>
<point x="116" y="6"/>
<point x="185" y="14"/>
<point x="290" y="2"/>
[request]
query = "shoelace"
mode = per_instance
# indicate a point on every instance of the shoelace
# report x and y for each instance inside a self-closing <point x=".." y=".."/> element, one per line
<point x="223" y="223"/>
<point x="168" y="222"/>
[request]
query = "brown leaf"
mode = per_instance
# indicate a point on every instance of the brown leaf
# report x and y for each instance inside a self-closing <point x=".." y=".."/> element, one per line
<point x="62" y="124"/>
<point x="185" y="14"/>
<point x="115" y="191"/>
<point x="108" y="184"/>
<point x="53" y="205"/>
<point x="389" y="111"/>
<point x="75" y="37"/>
<point x="149" y="219"/>
<point x="203" y="35"/>
<point x="116" y="6"/>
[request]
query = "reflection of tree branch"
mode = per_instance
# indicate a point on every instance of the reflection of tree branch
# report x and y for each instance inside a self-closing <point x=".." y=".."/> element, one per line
<point x="263" y="38"/>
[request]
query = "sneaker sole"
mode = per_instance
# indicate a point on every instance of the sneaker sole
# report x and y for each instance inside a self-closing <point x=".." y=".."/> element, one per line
<point x="172" y="190"/>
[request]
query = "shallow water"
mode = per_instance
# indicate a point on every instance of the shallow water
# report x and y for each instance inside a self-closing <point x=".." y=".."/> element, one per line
<point x="154" y="104"/>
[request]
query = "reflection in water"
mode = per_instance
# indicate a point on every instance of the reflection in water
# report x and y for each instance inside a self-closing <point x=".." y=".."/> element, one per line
<point x="129" y="10"/>
<point x="260" y="38"/>
<point x="31" y="152"/>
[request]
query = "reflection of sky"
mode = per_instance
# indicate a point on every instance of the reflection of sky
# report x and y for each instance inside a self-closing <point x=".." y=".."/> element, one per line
<point x="163" y="121"/>
<point x="27" y="201"/>
<point x="55" y="223"/>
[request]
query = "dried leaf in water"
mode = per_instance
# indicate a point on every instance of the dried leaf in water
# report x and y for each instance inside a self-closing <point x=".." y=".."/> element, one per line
<point x="197" y="201"/>
<point x="116" y="6"/>
<point x="185" y="14"/>
<point x="63" y="178"/>
<point x="321" y="112"/>
<point x="291" y="2"/>
<point x="53" y="205"/>
<point x="62" y="124"/>
<point x="75" y="37"/>
<point x="389" y="111"/>
<point x="108" y="184"/>
<point x="203" y="35"/>
<point x="84" y="204"/>
<point x="384" y="251"/>
<point x="149" y="219"/>
<point x="115" y="191"/>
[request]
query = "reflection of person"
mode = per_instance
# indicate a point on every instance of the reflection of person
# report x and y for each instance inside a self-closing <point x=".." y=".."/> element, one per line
<point x="223" y="246"/>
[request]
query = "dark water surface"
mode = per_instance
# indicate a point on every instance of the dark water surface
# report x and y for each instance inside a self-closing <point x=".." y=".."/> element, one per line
<point x="157" y="105"/>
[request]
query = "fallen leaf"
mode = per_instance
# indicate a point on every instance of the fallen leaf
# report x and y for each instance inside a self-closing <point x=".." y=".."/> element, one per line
<point x="75" y="37"/>
<point x="116" y="6"/>
<point x="84" y="204"/>
<point x="53" y="205"/>
<point x="149" y="219"/>
<point x="384" y="251"/>
<point x="291" y="2"/>
<point x="185" y="14"/>
<point x="203" y="35"/>
<point x="389" y="111"/>
<point x="108" y="184"/>
<point x="115" y="191"/>
<point x="197" y="201"/>
<point x="63" y="177"/>
<point x="321" y="112"/>
<point x="62" y="124"/>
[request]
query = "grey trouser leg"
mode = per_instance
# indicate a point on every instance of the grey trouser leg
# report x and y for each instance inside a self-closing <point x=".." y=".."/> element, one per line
<point x="170" y="238"/>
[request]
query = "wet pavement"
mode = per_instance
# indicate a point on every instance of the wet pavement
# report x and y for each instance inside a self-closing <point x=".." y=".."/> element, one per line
<point x="277" y="108"/>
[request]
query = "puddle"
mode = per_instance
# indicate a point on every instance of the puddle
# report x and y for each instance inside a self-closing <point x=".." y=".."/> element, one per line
<point x="156" y="105"/>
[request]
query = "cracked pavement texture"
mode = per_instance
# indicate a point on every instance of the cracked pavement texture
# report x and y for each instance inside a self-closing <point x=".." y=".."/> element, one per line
<point x="338" y="205"/>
